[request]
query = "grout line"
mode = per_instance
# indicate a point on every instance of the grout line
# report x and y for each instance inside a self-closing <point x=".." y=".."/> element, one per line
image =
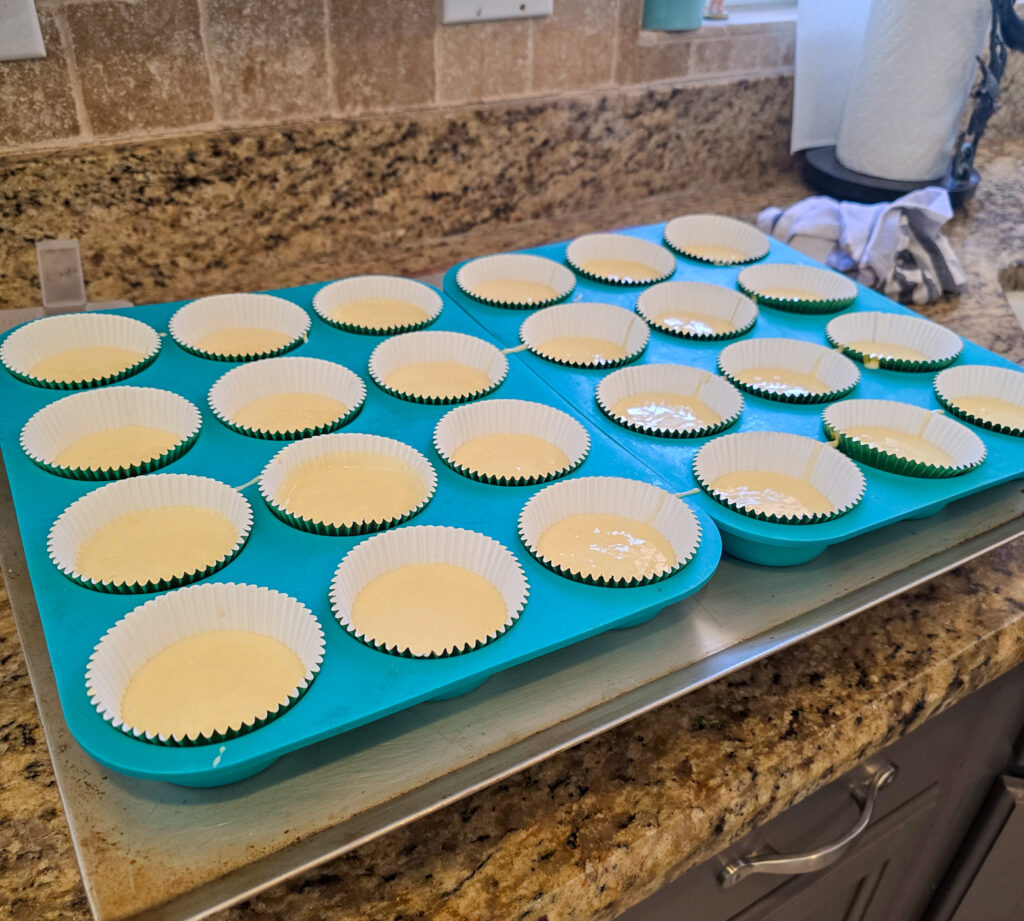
<point x="211" y="69"/>
<point x="529" y="56"/>
<point x="81" y="112"/>
<point x="332" y="90"/>
<point x="615" y="41"/>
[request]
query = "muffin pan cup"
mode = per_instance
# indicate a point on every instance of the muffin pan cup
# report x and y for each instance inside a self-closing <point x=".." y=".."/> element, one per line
<point x="618" y="246"/>
<point x="684" y="233"/>
<point x="597" y="321"/>
<point x="516" y="268"/>
<point x="839" y="374"/>
<point x="391" y="287"/>
<point x="980" y="381"/>
<point x="700" y="297"/>
<point x="832" y="292"/>
<point x="941" y="346"/>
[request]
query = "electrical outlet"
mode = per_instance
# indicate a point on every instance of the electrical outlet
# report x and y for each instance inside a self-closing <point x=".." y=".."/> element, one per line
<point x="20" y="37"/>
<point x="484" y="10"/>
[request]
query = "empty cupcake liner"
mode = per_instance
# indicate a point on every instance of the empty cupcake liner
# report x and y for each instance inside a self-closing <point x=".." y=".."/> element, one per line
<point x="965" y="381"/>
<point x="592" y="321"/>
<point x="390" y="287"/>
<point x="516" y="267"/>
<point x="964" y="447"/>
<point x="697" y="297"/>
<point x="940" y="346"/>
<point x="689" y="234"/>
<point x="661" y="510"/>
<point x="712" y="391"/>
<point x="290" y="457"/>
<point x="838" y="374"/>
<point x="829" y="291"/>
<point x="195" y="321"/>
<point x="85" y="516"/>
<point x="242" y="385"/>
<point x="617" y="246"/>
<point x="30" y="344"/>
<point x="425" y="544"/>
<point x="434" y="346"/>
<point x="510" y="417"/>
<point x="819" y="464"/>
<point x="160" y="622"/>
<point x="57" y="426"/>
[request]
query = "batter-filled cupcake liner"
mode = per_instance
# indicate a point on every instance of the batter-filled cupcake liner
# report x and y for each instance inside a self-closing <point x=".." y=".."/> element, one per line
<point x="692" y="234"/>
<point x="718" y="395"/>
<point x="435" y="346"/>
<point x="697" y="297"/>
<point x="300" y="452"/>
<point x="511" y="417"/>
<point x="424" y="545"/>
<point x="940" y="346"/>
<point x="617" y="246"/>
<point x="839" y="375"/>
<point x="592" y="321"/>
<point x="827" y="291"/>
<point x="665" y="513"/>
<point x="167" y="619"/>
<point x="968" y="381"/>
<point x="516" y="267"/>
<point x="87" y="515"/>
<point x="60" y="424"/>
<point x="190" y="324"/>
<point x="965" y="449"/>
<point x="386" y="287"/>
<point x="833" y="474"/>
<point x="289" y="375"/>
<point x="34" y="342"/>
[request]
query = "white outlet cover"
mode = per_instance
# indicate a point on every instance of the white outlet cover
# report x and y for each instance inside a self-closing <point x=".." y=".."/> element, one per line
<point x="484" y="10"/>
<point x="20" y="36"/>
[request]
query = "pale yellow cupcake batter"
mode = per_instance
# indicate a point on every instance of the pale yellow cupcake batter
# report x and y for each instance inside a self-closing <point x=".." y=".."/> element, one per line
<point x="782" y="380"/>
<point x="438" y="379"/>
<point x="796" y="294"/>
<point x="671" y="412"/>
<point x="351" y="487"/>
<point x="510" y="455"/>
<point x="428" y="607"/>
<point x="992" y="409"/>
<point x="693" y="323"/>
<point x="289" y="412"/>
<point x="887" y="350"/>
<point x="612" y="546"/>
<point x="620" y="270"/>
<point x="776" y="494"/>
<point x="900" y="443"/>
<point x="245" y="340"/>
<point x="715" y="252"/>
<point x="514" y="291"/>
<point x="379" y="313"/>
<point x="586" y="350"/>
<point x="86" y="364"/>
<point x="211" y="682"/>
<point x="151" y="544"/>
<point x="117" y="447"/>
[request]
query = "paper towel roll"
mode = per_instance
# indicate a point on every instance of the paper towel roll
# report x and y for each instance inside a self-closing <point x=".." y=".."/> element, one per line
<point x="910" y="86"/>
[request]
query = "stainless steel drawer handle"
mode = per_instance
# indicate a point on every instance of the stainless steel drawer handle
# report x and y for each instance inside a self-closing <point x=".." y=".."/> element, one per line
<point x="865" y="794"/>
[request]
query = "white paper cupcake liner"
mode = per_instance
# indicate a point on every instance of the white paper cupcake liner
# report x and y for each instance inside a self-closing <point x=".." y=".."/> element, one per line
<point x="425" y="544"/>
<point x="201" y="318"/>
<point x="827" y="291"/>
<point x="592" y="321"/>
<point x="689" y="233"/>
<point x="510" y="417"/>
<point x="954" y="384"/>
<point x="388" y="287"/>
<point x="516" y="267"/>
<point x="718" y="395"/>
<point x="823" y="467"/>
<point x="667" y="514"/>
<point x="617" y="246"/>
<point x="965" y="449"/>
<point x="697" y="297"/>
<point x="85" y="516"/>
<point x="838" y="374"/>
<point x="249" y="382"/>
<point x="160" y="622"/>
<point x="939" y="345"/>
<point x="59" y="425"/>
<point x="30" y="344"/>
<point x="436" y="346"/>
<point x="288" y="458"/>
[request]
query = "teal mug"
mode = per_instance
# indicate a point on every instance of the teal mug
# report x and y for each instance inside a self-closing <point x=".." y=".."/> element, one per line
<point x="673" y="15"/>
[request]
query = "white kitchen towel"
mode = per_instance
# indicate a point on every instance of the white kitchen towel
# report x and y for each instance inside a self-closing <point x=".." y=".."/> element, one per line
<point x="895" y="247"/>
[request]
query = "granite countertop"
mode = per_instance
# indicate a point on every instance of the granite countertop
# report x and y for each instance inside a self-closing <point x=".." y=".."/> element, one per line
<point x="594" y="830"/>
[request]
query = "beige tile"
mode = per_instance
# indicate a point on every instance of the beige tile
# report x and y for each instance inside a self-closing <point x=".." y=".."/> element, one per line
<point x="35" y="96"/>
<point x="726" y="55"/>
<point x="269" y="58"/>
<point x="778" y="49"/>
<point x="488" y="60"/>
<point x="383" y="52"/>
<point x="141" y="65"/>
<point x="660" y="57"/>
<point x="574" y="48"/>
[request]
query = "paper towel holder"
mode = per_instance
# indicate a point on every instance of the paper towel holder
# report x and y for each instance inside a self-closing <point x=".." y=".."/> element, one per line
<point x="823" y="171"/>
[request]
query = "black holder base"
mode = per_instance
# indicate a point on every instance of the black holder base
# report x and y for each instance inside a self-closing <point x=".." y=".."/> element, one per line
<point x="825" y="173"/>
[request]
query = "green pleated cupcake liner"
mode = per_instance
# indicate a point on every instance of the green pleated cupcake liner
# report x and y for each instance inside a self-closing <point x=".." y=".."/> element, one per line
<point x="131" y="370"/>
<point x="668" y="433"/>
<point x="356" y="529"/>
<point x="718" y="230"/>
<point x="603" y="365"/>
<point x="797" y="305"/>
<point x="794" y="398"/>
<point x="511" y="305"/>
<point x="680" y="251"/>
<point x="439" y="401"/>
<point x="978" y="421"/>
<point x="706" y="337"/>
<point x="892" y="364"/>
<point x="390" y="650"/>
<point x="492" y="480"/>
<point x="291" y="434"/>
<point x="868" y="454"/>
<point x="377" y="330"/>
<point x="270" y="353"/>
<point x="618" y="282"/>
